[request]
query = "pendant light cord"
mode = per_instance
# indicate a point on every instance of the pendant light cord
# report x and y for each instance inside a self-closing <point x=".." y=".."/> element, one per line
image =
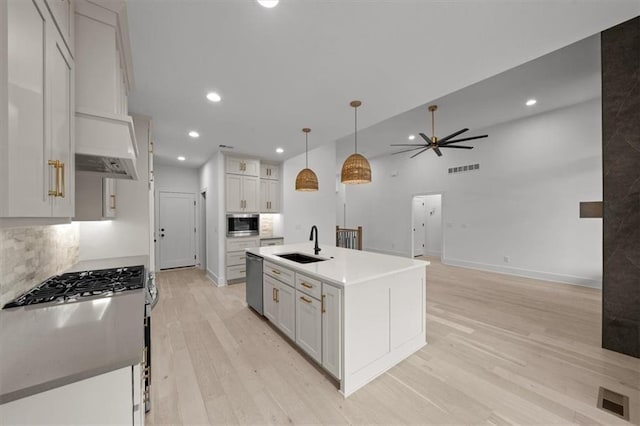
<point x="356" y="135"/>
<point x="306" y="149"/>
<point x="433" y="125"/>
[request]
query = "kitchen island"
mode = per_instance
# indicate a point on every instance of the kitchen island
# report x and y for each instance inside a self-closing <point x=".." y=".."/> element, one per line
<point x="355" y="313"/>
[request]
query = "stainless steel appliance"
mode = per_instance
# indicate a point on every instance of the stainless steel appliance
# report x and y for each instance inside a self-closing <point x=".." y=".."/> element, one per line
<point x="243" y="225"/>
<point x="254" y="282"/>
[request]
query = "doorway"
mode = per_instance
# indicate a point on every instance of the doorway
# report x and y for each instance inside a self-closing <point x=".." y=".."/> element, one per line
<point x="177" y="229"/>
<point x="426" y="225"/>
<point x="203" y="229"/>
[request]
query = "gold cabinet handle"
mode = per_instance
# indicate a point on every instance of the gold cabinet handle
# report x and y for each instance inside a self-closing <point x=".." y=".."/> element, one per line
<point x="275" y="271"/>
<point x="304" y="299"/>
<point x="55" y="165"/>
<point x="61" y="168"/>
<point x="322" y="309"/>
<point x="113" y="201"/>
<point x="277" y="295"/>
<point x="273" y="294"/>
<point x="303" y="284"/>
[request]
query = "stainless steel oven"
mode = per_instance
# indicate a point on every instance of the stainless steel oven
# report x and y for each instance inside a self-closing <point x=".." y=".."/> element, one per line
<point x="243" y="225"/>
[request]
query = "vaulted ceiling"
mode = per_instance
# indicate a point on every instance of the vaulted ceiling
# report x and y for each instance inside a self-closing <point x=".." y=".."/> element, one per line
<point x="299" y="64"/>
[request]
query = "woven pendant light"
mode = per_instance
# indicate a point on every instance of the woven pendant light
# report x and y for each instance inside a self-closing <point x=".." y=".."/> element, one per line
<point x="356" y="168"/>
<point x="306" y="179"/>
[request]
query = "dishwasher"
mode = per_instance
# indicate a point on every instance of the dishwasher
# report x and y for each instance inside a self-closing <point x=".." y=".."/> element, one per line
<point x="254" y="282"/>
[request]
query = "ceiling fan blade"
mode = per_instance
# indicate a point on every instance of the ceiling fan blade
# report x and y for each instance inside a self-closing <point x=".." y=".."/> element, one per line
<point x="406" y="150"/>
<point x="452" y="135"/>
<point x="437" y="151"/>
<point x="464" y="139"/>
<point x="426" y="138"/>
<point x="408" y="144"/>
<point x="457" y="146"/>
<point x="420" y="152"/>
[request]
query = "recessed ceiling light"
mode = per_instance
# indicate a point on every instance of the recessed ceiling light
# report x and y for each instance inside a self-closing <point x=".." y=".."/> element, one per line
<point x="531" y="102"/>
<point x="194" y="134"/>
<point x="214" y="97"/>
<point x="181" y="158"/>
<point x="279" y="150"/>
<point x="268" y="3"/>
<point x="412" y="137"/>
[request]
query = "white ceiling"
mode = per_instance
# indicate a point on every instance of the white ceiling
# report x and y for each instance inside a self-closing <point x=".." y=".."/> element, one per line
<point x="299" y="64"/>
<point x="565" y="77"/>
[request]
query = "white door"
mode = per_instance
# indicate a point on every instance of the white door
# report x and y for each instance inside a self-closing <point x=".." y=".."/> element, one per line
<point x="418" y="226"/>
<point x="177" y="230"/>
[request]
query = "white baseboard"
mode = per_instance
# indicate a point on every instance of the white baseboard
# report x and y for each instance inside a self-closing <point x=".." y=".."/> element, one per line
<point x="433" y="253"/>
<point x="214" y="278"/>
<point x="527" y="273"/>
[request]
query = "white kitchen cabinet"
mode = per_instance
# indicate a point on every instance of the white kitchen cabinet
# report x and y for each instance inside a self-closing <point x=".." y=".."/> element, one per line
<point x="331" y="307"/>
<point x="269" y="171"/>
<point x="37" y="159"/>
<point x="309" y="325"/>
<point x="266" y="242"/>
<point x="235" y="256"/>
<point x="279" y="304"/>
<point x="96" y="197"/>
<point x="242" y="193"/>
<point x="109" y="398"/>
<point x="62" y="11"/>
<point x="269" y="196"/>
<point x="243" y="166"/>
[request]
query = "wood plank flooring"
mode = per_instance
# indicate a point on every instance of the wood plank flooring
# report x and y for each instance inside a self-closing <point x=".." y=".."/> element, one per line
<point x="501" y="350"/>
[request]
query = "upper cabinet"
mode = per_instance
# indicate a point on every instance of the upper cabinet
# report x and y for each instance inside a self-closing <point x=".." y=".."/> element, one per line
<point x="269" y="171"/>
<point x="243" y="166"/>
<point x="62" y="11"/>
<point x="36" y="121"/>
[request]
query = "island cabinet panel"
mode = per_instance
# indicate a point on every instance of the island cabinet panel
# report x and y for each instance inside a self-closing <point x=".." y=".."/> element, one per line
<point x="269" y="286"/>
<point x="331" y="304"/>
<point x="406" y="310"/>
<point x="278" y="272"/>
<point x="286" y="301"/>
<point x="309" y="325"/>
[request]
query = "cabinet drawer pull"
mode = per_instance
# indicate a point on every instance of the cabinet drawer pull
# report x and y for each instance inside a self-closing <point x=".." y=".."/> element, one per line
<point x="304" y="299"/>
<point x="242" y="272"/>
<point x="303" y="284"/>
<point x="275" y="271"/>
<point x="277" y="295"/>
<point x="113" y="201"/>
<point x="273" y="294"/>
<point x="56" y="168"/>
<point x="322" y="309"/>
<point x="61" y="168"/>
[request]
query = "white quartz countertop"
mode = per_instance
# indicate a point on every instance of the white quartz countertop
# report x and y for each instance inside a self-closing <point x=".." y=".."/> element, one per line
<point x="343" y="266"/>
<point x="46" y="346"/>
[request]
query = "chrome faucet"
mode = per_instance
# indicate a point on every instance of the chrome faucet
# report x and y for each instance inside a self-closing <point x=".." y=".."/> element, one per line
<point x="316" y="249"/>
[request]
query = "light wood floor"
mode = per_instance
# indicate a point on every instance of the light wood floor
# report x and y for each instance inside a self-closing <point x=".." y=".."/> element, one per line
<point x="501" y="350"/>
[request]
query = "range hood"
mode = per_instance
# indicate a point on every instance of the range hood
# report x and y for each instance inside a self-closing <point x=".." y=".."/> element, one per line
<point x="106" y="144"/>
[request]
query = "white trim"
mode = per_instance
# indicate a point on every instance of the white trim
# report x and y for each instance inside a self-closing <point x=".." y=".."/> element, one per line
<point x="434" y="253"/>
<point x="519" y="272"/>
<point x="213" y="277"/>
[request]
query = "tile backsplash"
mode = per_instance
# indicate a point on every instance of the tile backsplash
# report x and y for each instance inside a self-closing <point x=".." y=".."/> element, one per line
<point x="29" y="255"/>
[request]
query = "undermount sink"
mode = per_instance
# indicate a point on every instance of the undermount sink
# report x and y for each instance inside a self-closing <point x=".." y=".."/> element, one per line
<point x="300" y="258"/>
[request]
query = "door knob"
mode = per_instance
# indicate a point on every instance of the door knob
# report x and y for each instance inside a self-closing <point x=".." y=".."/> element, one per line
<point x="162" y="235"/>
<point x="162" y="229"/>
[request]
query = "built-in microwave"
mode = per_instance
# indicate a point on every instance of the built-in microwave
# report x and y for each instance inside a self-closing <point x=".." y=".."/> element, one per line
<point x="243" y="225"/>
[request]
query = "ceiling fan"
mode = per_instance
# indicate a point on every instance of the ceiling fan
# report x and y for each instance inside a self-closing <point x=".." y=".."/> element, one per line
<point x="434" y="143"/>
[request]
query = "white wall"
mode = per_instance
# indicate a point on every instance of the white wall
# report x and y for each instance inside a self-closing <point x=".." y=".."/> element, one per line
<point x="211" y="181"/>
<point x="301" y="209"/>
<point x="523" y="202"/>
<point x="176" y="179"/>
<point x="128" y="233"/>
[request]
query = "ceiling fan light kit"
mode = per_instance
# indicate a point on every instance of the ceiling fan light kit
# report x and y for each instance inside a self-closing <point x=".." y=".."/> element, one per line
<point x="356" y="168"/>
<point x="434" y="143"/>
<point x="306" y="180"/>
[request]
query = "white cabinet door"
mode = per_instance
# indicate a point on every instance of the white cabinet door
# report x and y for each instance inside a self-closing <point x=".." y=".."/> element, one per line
<point x="61" y="107"/>
<point x="62" y="12"/>
<point x="269" y="171"/>
<point x="269" y="287"/>
<point x="264" y="195"/>
<point x="243" y="166"/>
<point x="103" y="399"/>
<point x="110" y="201"/>
<point x="274" y="195"/>
<point x="251" y="193"/>
<point x="37" y="167"/>
<point x="234" y="193"/>
<point x="309" y="325"/>
<point x="286" y="319"/>
<point x="252" y="168"/>
<point x="332" y="330"/>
